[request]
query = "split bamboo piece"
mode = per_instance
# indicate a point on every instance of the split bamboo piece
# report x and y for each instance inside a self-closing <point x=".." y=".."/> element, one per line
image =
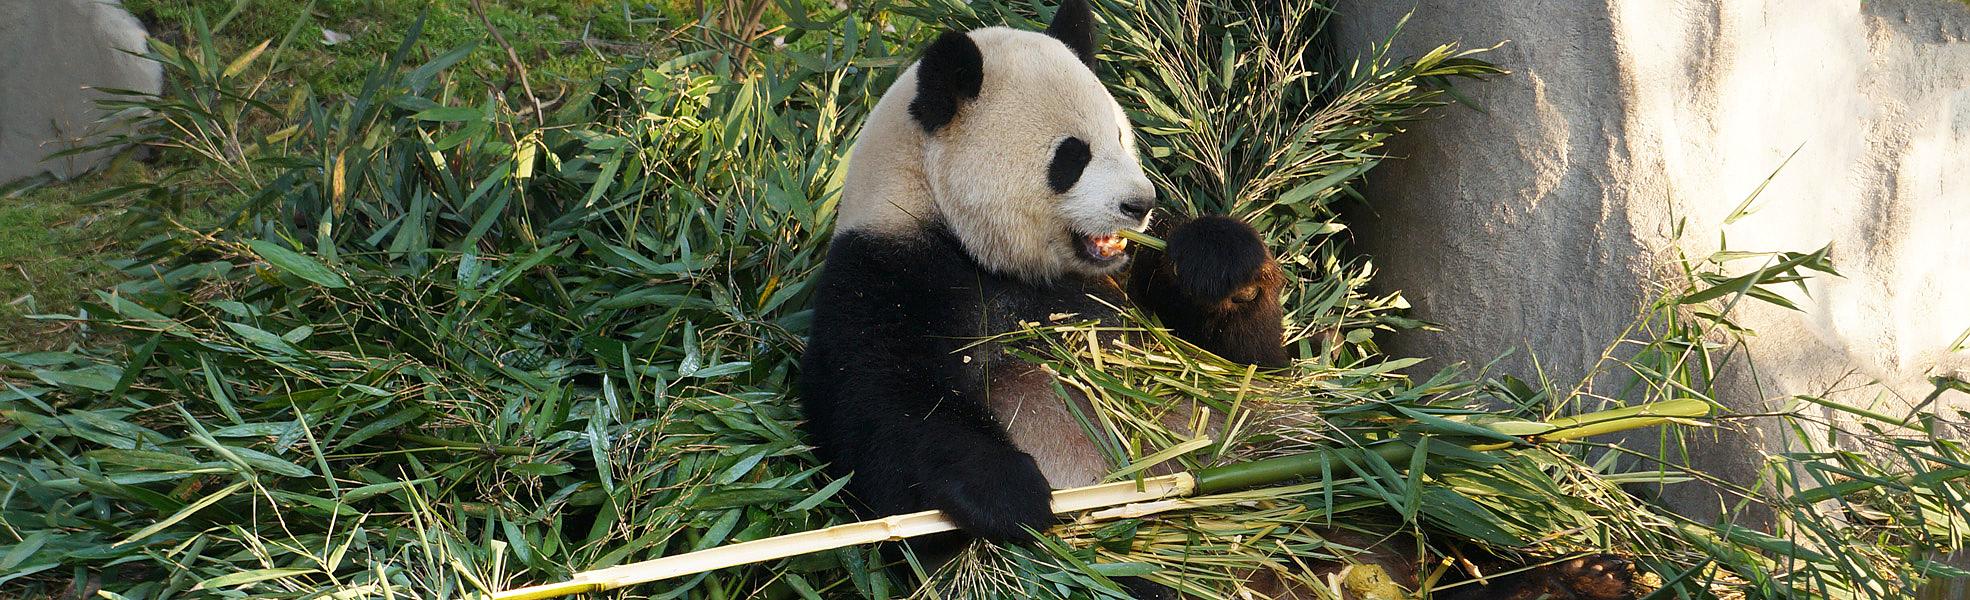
<point x="1121" y="499"/>
<point x="892" y="528"/>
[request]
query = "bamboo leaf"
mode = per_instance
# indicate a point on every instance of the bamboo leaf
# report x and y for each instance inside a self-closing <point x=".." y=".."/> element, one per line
<point x="184" y="513"/>
<point x="296" y="264"/>
<point x="239" y="64"/>
<point x="253" y="576"/>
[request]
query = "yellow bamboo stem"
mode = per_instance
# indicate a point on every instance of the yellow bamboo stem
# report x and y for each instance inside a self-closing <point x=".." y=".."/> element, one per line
<point x="865" y="532"/>
<point x="1141" y="238"/>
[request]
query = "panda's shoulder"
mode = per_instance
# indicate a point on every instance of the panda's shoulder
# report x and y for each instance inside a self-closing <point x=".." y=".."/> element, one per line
<point x="895" y="276"/>
<point x="897" y="256"/>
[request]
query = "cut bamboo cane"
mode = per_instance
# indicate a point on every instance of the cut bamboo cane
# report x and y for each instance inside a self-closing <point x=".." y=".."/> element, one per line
<point x="853" y="534"/>
<point x="1121" y="500"/>
<point x="1141" y="238"/>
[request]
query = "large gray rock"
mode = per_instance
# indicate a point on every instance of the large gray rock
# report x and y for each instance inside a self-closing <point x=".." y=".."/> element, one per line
<point x="1542" y="222"/>
<point x="51" y="52"/>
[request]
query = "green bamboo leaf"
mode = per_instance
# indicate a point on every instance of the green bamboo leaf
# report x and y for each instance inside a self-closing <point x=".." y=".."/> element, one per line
<point x="377" y="489"/>
<point x="1124" y="569"/>
<point x="150" y="318"/>
<point x="326" y="506"/>
<point x="26" y="571"/>
<point x="733" y="498"/>
<point x="101" y="378"/>
<point x="268" y="462"/>
<point x="255" y="430"/>
<point x="417" y="78"/>
<point x="245" y="577"/>
<point x="260" y="337"/>
<point x="542" y="469"/>
<point x="143" y="459"/>
<point x="1307" y="190"/>
<point x="217" y="391"/>
<point x="821" y="495"/>
<point x="451" y="114"/>
<point x="377" y="427"/>
<point x="23" y="550"/>
<point x="721" y="369"/>
<point x="297" y="264"/>
<point x="183" y="513"/>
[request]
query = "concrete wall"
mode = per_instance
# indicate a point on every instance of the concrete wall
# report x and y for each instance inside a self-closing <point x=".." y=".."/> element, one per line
<point x="50" y="50"/>
<point x="1541" y="222"/>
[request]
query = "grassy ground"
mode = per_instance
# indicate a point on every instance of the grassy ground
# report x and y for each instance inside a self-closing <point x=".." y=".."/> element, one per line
<point x="52" y="248"/>
<point x="53" y="245"/>
<point x="43" y="248"/>
<point x="560" y="41"/>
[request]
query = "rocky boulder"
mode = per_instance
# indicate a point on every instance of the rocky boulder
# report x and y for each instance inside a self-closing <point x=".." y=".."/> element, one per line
<point x="1543" y="219"/>
<point x="52" y="53"/>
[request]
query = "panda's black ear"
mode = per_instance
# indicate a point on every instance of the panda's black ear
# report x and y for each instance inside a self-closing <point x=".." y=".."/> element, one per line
<point x="949" y="75"/>
<point x="1073" y="24"/>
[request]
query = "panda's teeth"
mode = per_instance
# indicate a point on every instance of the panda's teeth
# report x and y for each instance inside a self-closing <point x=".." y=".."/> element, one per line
<point x="1108" y="246"/>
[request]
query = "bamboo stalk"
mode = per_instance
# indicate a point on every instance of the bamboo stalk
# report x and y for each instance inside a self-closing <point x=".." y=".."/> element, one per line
<point x="1120" y="499"/>
<point x="1620" y="419"/>
<point x="1282" y="468"/>
<point x="1141" y="238"/>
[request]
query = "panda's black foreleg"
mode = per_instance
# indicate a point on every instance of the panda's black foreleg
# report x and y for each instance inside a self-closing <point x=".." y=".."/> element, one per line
<point x="1217" y="286"/>
<point x="907" y="447"/>
<point x="889" y="396"/>
<point x="990" y="488"/>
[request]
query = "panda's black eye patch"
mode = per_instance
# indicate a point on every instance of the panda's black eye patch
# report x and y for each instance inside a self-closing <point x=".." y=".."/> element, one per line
<point x="1069" y="159"/>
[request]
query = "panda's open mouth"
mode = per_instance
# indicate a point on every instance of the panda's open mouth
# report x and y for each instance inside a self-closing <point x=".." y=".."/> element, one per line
<point x="1102" y="248"/>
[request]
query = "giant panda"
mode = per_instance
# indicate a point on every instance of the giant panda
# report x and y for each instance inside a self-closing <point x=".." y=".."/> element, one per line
<point x="985" y="190"/>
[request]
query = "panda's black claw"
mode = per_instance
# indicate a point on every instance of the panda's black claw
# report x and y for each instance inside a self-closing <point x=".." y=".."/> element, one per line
<point x="995" y="495"/>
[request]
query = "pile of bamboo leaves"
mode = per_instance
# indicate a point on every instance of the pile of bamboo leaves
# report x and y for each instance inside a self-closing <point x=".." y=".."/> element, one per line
<point x="409" y="343"/>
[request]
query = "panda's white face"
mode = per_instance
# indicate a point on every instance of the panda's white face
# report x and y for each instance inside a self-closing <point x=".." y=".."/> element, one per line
<point x="1036" y="173"/>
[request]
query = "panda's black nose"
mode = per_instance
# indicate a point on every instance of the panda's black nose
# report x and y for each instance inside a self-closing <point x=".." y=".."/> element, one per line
<point x="1137" y="208"/>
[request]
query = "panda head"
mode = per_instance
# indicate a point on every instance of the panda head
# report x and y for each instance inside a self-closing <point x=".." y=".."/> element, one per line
<point x="1019" y="149"/>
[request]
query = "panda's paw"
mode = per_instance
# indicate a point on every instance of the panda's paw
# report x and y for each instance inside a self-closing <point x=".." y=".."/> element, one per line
<point x="1220" y="262"/>
<point x="1217" y="286"/>
<point x="997" y="495"/>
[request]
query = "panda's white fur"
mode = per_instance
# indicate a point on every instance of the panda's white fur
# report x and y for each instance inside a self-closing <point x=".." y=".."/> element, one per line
<point x="984" y="175"/>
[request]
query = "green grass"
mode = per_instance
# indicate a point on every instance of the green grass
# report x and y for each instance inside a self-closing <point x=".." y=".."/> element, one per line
<point x="562" y="42"/>
<point x="53" y="244"/>
<point x="52" y="251"/>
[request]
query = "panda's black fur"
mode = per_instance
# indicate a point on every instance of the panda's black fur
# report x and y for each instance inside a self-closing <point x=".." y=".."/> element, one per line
<point x="895" y="380"/>
<point x="894" y="375"/>
<point x="890" y="396"/>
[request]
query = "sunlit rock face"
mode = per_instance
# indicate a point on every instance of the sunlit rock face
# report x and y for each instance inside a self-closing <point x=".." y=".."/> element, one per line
<point x="1542" y="220"/>
<point x="51" y="52"/>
